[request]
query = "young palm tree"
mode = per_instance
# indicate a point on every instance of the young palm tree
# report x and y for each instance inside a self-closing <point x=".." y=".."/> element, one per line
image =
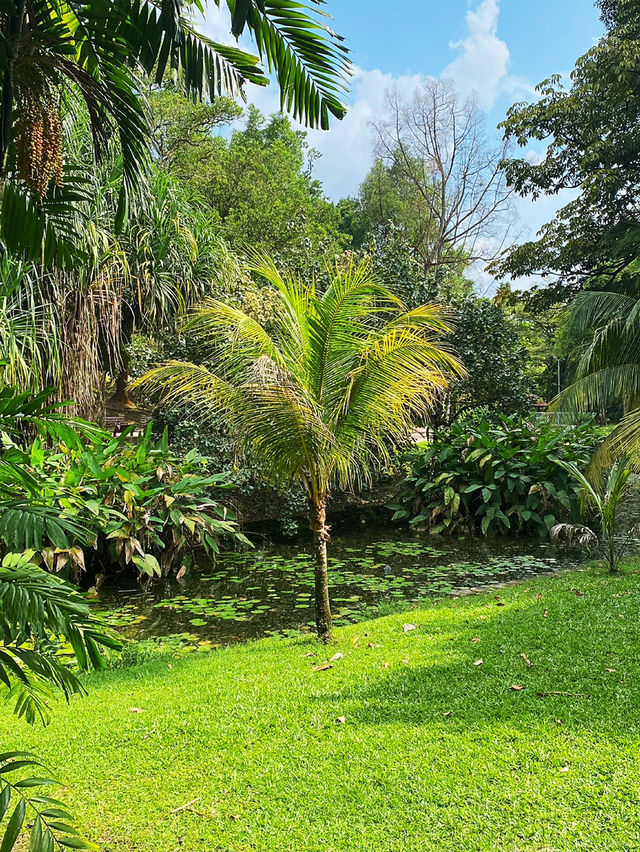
<point x="324" y="392"/>
<point x="605" y="495"/>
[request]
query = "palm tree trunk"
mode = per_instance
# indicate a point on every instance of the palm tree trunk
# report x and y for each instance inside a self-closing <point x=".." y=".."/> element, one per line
<point x="318" y="524"/>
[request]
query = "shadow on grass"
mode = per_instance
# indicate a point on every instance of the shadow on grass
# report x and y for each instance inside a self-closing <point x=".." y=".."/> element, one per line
<point x="572" y="656"/>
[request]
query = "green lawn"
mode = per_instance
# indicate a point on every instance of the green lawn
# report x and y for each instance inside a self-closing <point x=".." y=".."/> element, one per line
<point x="434" y="753"/>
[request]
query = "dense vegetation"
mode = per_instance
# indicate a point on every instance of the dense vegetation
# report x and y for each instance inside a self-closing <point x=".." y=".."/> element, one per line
<point x="497" y="478"/>
<point x="192" y="335"/>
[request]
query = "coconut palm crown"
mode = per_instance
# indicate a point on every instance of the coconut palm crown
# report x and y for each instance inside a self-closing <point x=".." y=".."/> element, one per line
<point x="323" y="393"/>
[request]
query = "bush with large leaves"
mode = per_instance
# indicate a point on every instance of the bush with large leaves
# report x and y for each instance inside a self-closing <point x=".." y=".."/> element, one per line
<point x="82" y="493"/>
<point x="501" y="479"/>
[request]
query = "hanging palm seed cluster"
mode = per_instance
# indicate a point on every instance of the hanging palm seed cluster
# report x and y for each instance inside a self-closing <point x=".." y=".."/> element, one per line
<point x="39" y="141"/>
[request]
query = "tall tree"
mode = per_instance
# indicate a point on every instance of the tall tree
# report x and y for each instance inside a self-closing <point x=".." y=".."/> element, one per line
<point x="259" y="186"/>
<point x="323" y="394"/>
<point x="443" y="181"/>
<point x="591" y="136"/>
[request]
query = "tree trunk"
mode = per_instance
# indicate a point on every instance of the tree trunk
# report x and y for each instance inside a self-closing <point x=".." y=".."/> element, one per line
<point x="318" y="524"/>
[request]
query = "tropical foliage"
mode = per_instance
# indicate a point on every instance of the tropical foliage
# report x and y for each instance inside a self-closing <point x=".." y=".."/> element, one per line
<point x="497" y="479"/>
<point x="115" y="503"/>
<point x="86" y="61"/>
<point x="608" y="372"/>
<point x="323" y="394"/>
<point x="38" y="611"/>
<point x="604" y="495"/>
<point x="586" y="126"/>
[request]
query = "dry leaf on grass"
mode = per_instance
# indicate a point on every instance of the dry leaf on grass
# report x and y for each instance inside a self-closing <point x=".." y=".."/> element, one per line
<point x="526" y="660"/>
<point x="337" y="656"/>
<point x="478" y="662"/>
<point x="341" y="720"/>
<point x="407" y="627"/>
<point x="136" y="710"/>
<point x="323" y="668"/>
<point x="516" y="687"/>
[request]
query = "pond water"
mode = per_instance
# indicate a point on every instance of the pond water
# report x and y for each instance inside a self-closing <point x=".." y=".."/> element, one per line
<point x="270" y="589"/>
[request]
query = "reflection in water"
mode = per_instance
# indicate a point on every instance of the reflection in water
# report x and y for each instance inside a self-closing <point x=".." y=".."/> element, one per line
<point x="252" y="594"/>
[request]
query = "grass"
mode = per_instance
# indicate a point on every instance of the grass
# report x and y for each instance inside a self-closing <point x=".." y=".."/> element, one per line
<point x="405" y="744"/>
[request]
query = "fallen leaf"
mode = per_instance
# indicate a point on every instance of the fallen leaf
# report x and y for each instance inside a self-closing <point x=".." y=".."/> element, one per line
<point x="578" y="593"/>
<point x="516" y="687"/>
<point x="545" y="613"/>
<point x="341" y="720"/>
<point x="446" y="714"/>
<point x="169" y="666"/>
<point x="136" y="710"/>
<point x="564" y="769"/>
<point x="337" y="656"/>
<point x="406" y="662"/>
<point x="355" y="640"/>
<point x="476" y="639"/>
<point x="499" y="601"/>
<point x="385" y="665"/>
<point x="310" y="654"/>
<point x="538" y="597"/>
<point x="526" y="660"/>
<point x="478" y="662"/>
<point x="609" y="670"/>
<point x="323" y="668"/>
<point x="235" y="816"/>
<point x="407" y="627"/>
<point x="369" y="644"/>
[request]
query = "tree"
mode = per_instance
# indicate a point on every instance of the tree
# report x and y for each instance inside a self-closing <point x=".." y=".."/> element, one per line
<point x="444" y="179"/>
<point x="609" y="368"/>
<point x="591" y="133"/>
<point x="179" y="124"/>
<point x="322" y="394"/>
<point x="488" y="344"/>
<point x="258" y="185"/>
<point x="86" y="58"/>
<point x="605" y="495"/>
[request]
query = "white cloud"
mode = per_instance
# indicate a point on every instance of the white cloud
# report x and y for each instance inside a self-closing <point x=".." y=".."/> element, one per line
<point x="482" y="65"/>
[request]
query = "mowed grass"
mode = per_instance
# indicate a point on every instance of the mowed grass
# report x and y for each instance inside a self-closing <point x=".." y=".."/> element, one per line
<point x="405" y="744"/>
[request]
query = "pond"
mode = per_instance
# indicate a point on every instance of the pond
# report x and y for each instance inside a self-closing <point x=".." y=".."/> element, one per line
<point x="270" y="589"/>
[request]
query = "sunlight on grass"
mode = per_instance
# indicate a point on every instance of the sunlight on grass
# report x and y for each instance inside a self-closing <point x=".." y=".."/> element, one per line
<point x="404" y="743"/>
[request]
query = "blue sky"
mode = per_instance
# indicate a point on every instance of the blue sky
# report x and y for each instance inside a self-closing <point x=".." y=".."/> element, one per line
<point x="497" y="49"/>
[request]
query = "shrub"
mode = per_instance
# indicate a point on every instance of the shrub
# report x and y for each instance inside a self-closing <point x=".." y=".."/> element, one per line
<point x="137" y="504"/>
<point x="498" y="479"/>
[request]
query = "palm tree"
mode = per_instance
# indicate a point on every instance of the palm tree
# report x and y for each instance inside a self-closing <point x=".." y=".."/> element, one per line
<point x="604" y="494"/>
<point x="38" y="611"/>
<point x="608" y="370"/>
<point x="86" y="59"/>
<point x="324" y="392"/>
